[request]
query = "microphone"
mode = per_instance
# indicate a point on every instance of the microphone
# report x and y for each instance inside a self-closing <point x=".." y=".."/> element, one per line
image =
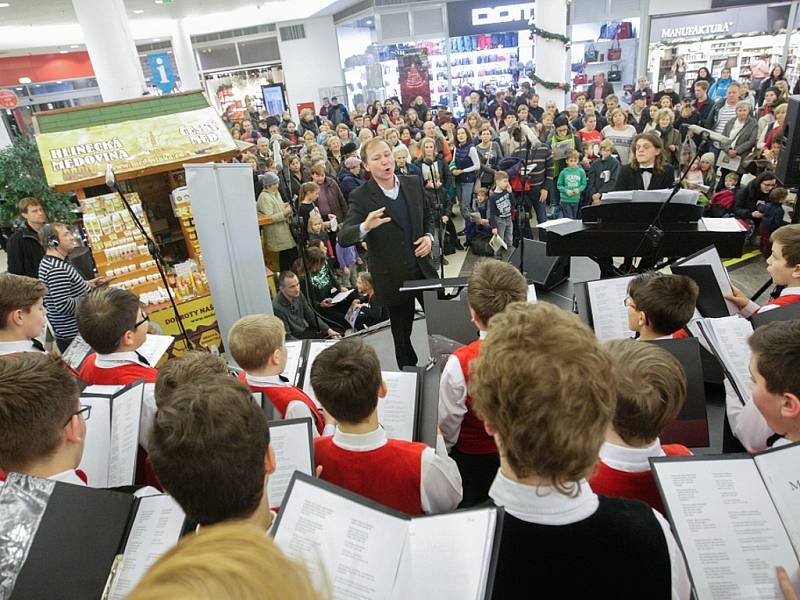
<point x="110" y="178"/>
<point x="713" y="135"/>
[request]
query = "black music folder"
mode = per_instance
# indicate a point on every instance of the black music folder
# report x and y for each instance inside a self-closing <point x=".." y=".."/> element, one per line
<point x="79" y="542"/>
<point x="789" y="312"/>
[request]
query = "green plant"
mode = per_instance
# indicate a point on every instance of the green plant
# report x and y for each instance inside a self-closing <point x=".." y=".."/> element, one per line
<point x="21" y="175"/>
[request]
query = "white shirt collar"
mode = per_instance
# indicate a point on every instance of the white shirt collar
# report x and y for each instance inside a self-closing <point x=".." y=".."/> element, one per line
<point x="543" y="504"/>
<point x="360" y="442"/>
<point x="482" y="334"/>
<point x="392" y="193"/>
<point x="781" y="442"/>
<point x="790" y="291"/>
<point x="630" y="460"/>
<point x="20" y="346"/>
<point x="68" y="476"/>
<point x="109" y="361"/>
<point x="264" y="380"/>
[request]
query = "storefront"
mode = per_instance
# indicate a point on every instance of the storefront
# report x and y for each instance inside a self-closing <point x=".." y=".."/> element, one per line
<point x="439" y="53"/>
<point x="732" y="38"/>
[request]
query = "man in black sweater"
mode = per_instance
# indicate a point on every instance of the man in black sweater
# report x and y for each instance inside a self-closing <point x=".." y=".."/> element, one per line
<point x="24" y="250"/>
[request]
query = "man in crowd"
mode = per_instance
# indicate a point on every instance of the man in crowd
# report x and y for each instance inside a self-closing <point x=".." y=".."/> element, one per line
<point x="291" y="307"/>
<point x="337" y="113"/>
<point x="24" y="249"/>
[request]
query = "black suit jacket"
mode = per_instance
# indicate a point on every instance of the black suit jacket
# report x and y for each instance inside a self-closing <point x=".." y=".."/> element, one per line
<point x="387" y="257"/>
<point x="629" y="180"/>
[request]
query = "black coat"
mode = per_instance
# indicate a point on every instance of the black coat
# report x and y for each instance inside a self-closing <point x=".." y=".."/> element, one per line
<point x="744" y="204"/>
<point x="387" y="259"/>
<point x="629" y="180"/>
<point x="24" y="252"/>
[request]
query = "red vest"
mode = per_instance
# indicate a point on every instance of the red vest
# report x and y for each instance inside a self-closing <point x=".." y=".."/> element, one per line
<point x="391" y="474"/>
<point x="681" y="334"/>
<point x="121" y="375"/>
<point x="784" y="300"/>
<point x="281" y="395"/>
<point x="472" y="439"/>
<point x="635" y="486"/>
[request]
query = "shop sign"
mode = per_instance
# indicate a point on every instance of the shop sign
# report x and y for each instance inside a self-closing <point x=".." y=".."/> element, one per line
<point x="743" y="20"/>
<point x="80" y="154"/>
<point x="8" y="99"/>
<point x="199" y="319"/>
<point x="161" y="74"/>
<point x="471" y="17"/>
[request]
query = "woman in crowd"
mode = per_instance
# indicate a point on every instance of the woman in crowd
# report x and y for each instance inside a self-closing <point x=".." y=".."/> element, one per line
<point x="775" y="128"/>
<point x="308" y="122"/>
<point x="436" y="176"/>
<point x="670" y="137"/>
<point x="379" y="117"/>
<point x="719" y="89"/>
<point x="496" y="120"/>
<point x="743" y="130"/>
<point x="679" y="74"/>
<point x="323" y="287"/>
<point x="473" y="123"/>
<point x="776" y="74"/>
<point x="704" y="74"/>
<point x="364" y="135"/>
<point x="295" y="175"/>
<point x="350" y="177"/>
<point x="758" y="190"/>
<point x="467" y="164"/>
<point x="369" y="311"/>
<point x="414" y="123"/>
<point x="747" y="95"/>
<point x="335" y="154"/>
<point x="309" y="142"/>
<point x="489" y="153"/>
<point x="392" y="137"/>
<point x="621" y="133"/>
<point x="407" y="139"/>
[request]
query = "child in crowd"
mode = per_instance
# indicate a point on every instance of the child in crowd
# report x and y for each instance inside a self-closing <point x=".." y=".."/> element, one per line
<point x="603" y="173"/>
<point x="257" y="344"/>
<point x="365" y="311"/>
<point x="651" y="389"/>
<point x="308" y="195"/>
<point x="210" y="449"/>
<point x="113" y="322"/>
<point x="480" y="215"/>
<point x="660" y="306"/>
<point x="359" y="456"/>
<point x="22" y="313"/>
<point x="42" y="424"/>
<point x="571" y="183"/>
<point x="721" y="203"/>
<point x="317" y="234"/>
<point x="564" y="137"/>
<point x="492" y="286"/>
<point x="347" y="257"/>
<point x="776" y="379"/>
<point x="499" y="211"/>
<point x="694" y="176"/>
<point x="590" y="138"/>
<point x="549" y="431"/>
<point x="773" y="217"/>
<point x="278" y="235"/>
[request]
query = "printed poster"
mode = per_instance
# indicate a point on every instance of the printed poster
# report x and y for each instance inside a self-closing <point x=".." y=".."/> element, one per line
<point x="414" y="67"/>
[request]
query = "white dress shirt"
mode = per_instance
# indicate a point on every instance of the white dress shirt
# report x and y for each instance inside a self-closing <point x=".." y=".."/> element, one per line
<point x="68" y="476"/>
<point x="746" y="421"/>
<point x="781" y="442"/>
<point x="753" y="308"/>
<point x="16" y="347"/>
<point x="544" y="505"/>
<point x="630" y="460"/>
<point x="109" y="361"/>
<point x="296" y="409"/>
<point x="452" y="399"/>
<point x="440" y="485"/>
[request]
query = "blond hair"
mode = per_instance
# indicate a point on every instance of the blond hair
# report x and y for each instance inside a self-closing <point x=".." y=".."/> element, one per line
<point x="226" y="562"/>
<point x="666" y="112"/>
<point x="553" y="426"/>
<point x="254" y="338"/>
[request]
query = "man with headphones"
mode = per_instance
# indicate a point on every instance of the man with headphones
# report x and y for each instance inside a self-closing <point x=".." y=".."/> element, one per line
<point x="65" y="285"/>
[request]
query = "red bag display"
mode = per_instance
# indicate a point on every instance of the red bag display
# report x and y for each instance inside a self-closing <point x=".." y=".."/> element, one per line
<point x="615" y="52"/>
<point x="580" y="79"/>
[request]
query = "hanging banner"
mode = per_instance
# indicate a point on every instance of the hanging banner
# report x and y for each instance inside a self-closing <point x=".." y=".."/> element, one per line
<point x="81" y="154"/>
<point x="414" y="67"/>
<point x="200" y="322"/>
<point x="472" y="17"/>
<point x="161" y="74"/>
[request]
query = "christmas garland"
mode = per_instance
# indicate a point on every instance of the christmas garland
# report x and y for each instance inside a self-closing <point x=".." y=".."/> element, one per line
<point x="549" y="35"/>
<point x="550" y="85"/>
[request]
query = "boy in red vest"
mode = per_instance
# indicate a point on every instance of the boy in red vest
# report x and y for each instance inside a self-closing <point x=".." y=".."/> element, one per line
<point x="359" y="456"/>
<point x="660" y="306"/>
<point x="651" y="389"/>
<point x="257" y="344"/>
<point x="113" y="322"/>
<point x="42" y="424"/>
<point x="546" y="391"/>
<point x="492" y="286"/>
<point x="784" y="267"/>
<point x="22" y="313"/>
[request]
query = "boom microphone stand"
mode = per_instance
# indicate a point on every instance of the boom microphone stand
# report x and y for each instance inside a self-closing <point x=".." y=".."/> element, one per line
<point x="439" y="212"/>
<point x="153" y="249"/>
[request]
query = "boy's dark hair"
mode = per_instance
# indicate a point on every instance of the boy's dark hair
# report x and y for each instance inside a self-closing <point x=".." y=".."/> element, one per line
<point x="494" y="285"/>
<point x="208" y="446"/>
<point x="561" y="121"/>
<point x="104" y="315"/>
<point x="788" y="237"/>
<point x="779" y="194"/>
<point x="346" y="378"/>
<point x="18" y="292"/>
<point x="186" y="369"/>
<point x="667" y="300"/>
<point x="651" y="389"/>
<point x="777" y="350"/>
<point x="38" y="396"/>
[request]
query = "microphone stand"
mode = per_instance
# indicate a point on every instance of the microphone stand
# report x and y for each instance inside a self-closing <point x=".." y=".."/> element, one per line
<point x="439" y="212"/>
<point x="155" y="253"/>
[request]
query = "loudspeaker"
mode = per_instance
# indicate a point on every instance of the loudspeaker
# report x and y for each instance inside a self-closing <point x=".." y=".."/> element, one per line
<point x="788" y="170"/>
<point x="545" y="271"/>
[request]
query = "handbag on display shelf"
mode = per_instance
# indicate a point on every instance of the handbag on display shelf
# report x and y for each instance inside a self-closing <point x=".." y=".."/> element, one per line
<point x="615" y="73"/>
<point x="609" y="30"/>
<point x="625" y="31"/>
<point x="580" y="79"/>
<point x="615" y="52"/>
<point x="591" y="54"/>
<point x="578" y="67"/>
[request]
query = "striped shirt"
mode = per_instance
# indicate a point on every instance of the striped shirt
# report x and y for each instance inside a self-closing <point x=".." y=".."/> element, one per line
<point x="65" y="288"/>
<point x="726" y="113"/>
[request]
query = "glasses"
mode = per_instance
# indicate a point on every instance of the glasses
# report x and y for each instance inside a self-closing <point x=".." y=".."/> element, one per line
<point x="84" y="410"/>
<point x="143" y="320"/>
<point x="628" y="302"/>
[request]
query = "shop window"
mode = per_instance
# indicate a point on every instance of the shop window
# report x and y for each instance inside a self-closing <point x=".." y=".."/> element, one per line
<point x="259" y="51"/>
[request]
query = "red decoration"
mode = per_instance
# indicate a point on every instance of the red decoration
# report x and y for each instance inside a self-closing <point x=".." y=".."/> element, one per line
<point x="8" y="99"/>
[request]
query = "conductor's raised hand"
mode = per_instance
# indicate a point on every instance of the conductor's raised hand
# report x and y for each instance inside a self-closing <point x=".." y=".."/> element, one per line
<point x="375" y="219"/>
<point x="423" y="245"/>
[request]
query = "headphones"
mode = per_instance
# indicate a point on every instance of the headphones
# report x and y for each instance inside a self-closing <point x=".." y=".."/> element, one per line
<point x="50" y="236"/>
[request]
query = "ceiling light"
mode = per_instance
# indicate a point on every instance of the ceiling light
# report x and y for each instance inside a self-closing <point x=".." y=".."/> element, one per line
<point x="20" y="89"/>
<point x="75" y="46"/>
<point x="59" y="82"/>
<point x="24" y="79"/>
<point x="159" y="1"/>
<point x="4" y="4"/>
<point x="138" y="11"/>
<point x="63" y="51"/>
<point x="156" y="39"/>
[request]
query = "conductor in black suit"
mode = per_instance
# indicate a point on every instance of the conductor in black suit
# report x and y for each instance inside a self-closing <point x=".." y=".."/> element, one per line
<point x="391" y="214"/>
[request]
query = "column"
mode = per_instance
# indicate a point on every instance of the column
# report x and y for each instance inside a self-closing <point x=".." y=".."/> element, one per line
<point x="184" y="57"/>
<point x="5" y="136"/>
<point x="551" y="56"/>
<point x="111" y="48"/>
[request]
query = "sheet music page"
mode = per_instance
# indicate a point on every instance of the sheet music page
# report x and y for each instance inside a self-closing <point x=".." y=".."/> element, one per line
<point x="683" y="196"/>
<point x="340" y="296"/>
<point x="293" y="355"/>
<point x="354" y="549"/>
<point x="148" y="415"/>
<point x="314" y="349"/>
<point x="76" y="352"/>
<point x="291" y="442"/>
<point x="154" y="347"/>
<point x="97" y="448"/>
<point x="625" y="196"/>
<point x="729" y="337"/>
<point x="396" y="412"/>
<point x="551" y="223"/>
<point x="125" y="418"/>
<point x="728" y="527"/>
<point x="781" y="475"/>
<point x="156" y="528"/>
<point x="456" y="544"/>
<point x="609" y="313"/>
<point x="722" y="224"/>
<point x="711" y="258"/>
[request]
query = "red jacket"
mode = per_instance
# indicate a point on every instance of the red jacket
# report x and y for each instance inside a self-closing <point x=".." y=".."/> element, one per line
<point x="119" y="375"/>
<point x="472" y="439"/>
<point x="281" y="395"/>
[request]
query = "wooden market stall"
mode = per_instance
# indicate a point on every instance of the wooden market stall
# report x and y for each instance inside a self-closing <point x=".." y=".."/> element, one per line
<point x="146" y="141"/>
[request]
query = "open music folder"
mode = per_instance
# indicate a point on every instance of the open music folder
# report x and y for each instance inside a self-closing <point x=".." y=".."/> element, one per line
<point x="398" y="411"/>
<point x="312" y="351"/>
<point x="153" y="349"/>
<point x="365" y="551"/>
<point x="601" y="305"/>
<point x="711" y="276"/>
<point x="736" y="518"/>
<point x="71" y="541"/>
<point x="726" y="338"/>
<point x="292" y="442"/>
<point x="112" y="433"/>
